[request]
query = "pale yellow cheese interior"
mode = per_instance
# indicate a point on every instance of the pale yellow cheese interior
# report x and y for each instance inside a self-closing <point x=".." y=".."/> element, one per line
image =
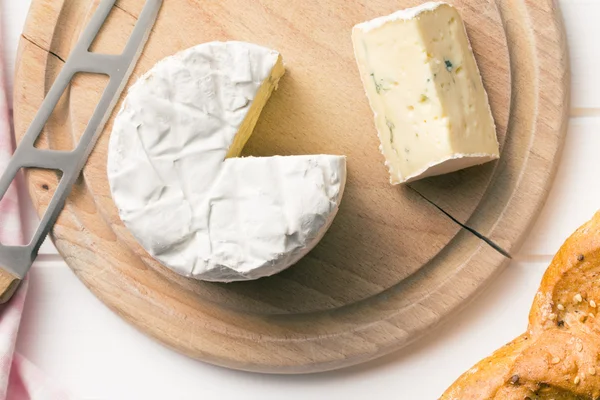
<point x="431" y="109"/>
<point x="261" y="98"/>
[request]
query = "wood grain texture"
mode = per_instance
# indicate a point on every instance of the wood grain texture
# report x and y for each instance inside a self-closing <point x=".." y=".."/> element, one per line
<point x="8" y="284"/>
<point x="392" y="265"/>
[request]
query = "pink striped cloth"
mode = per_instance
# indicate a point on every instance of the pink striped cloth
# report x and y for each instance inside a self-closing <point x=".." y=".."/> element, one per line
<point x="19" y="378"/>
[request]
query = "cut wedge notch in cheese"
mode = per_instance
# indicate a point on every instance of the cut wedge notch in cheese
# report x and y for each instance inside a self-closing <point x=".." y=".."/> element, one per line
<point x="185" y="199"/>
<point x="431" y="109"/>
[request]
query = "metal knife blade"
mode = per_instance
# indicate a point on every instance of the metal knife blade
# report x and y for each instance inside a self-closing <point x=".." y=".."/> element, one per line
<point x="15" y="261"/>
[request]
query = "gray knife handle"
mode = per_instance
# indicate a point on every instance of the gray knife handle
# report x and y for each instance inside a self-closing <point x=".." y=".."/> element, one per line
<point x="15" y="261"/>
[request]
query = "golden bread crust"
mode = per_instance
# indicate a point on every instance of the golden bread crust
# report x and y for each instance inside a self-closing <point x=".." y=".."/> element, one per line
<point x="559" y="355"/>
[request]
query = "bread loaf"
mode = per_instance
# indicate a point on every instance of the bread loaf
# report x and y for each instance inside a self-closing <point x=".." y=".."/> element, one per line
<point x="559" y="355"/>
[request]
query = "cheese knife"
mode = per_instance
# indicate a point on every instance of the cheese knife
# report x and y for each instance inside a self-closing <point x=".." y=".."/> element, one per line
<point x="15" y="261"/>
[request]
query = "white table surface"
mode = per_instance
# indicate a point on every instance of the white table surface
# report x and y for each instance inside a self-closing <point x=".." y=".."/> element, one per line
<point x="77" y="341"/>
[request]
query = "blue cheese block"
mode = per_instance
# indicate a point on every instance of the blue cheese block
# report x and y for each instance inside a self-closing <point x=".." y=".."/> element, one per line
<point x="431" y="110"/>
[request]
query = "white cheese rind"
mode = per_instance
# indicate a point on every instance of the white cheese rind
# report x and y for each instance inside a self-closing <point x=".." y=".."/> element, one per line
<point x="192" y="209"/>
<point x="431" y="110"/>
<point x="399" y="15"/>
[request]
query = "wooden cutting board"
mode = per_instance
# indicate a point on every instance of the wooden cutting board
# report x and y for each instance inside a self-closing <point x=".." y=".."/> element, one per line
<point x="393" y="265"/>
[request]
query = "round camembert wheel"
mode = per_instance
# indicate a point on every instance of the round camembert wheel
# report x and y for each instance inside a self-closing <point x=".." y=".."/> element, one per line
<point x="182" y="190"/>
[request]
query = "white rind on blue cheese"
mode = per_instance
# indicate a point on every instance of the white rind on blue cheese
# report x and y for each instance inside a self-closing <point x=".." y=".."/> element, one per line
<point x="431" y="110"/>
<point x="399" y="15"/>
<point x="195" y="210"/>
